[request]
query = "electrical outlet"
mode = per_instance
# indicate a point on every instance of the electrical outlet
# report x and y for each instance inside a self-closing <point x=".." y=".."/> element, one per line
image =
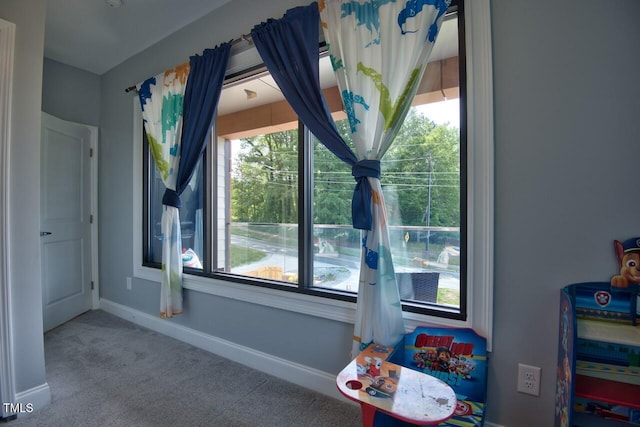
<point x="128" y="283"/>
<point x="529" y="379"/>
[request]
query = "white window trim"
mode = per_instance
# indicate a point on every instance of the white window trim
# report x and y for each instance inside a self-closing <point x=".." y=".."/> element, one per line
<point x="480" y="202"/>
<point x="480" y="155"/>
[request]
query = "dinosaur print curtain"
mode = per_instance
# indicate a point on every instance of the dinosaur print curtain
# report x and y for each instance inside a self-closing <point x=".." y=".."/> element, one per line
<point x="379" y="50"/>
<point x="161" y="98"/>
<point x="178" y="108"/>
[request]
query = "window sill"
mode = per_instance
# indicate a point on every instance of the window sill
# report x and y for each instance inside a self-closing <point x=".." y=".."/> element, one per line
<point x="311" y="305"/>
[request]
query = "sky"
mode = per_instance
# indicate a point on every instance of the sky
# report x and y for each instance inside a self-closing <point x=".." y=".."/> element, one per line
<point x="442" y="112"/>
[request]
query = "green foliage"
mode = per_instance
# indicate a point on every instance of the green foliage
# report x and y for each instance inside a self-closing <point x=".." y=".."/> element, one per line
<point x="265" y="183"/>
<point x="333" y="183"/>
<point x="422" y="152"/>
<point x="448" y="297"/>
<point x="265" y="180"/>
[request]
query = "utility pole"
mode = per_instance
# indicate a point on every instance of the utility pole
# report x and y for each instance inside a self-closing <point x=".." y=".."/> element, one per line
<point x="428" y="211"/>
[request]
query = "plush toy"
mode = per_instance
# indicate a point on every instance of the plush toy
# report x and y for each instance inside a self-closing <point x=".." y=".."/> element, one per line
<point x="628" y="253"/>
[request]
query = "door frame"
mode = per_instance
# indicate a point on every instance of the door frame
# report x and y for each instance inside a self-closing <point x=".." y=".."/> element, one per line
<point x="93" y="189"/>
<point x="95" y="277"/>
<point x="7" y="372"/>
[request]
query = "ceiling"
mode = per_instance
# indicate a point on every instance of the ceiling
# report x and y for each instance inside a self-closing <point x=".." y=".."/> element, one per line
<point x="94" y="36"/>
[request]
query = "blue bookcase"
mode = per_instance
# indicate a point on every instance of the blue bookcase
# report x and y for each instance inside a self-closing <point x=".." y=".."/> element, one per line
<point x="598" y="374"/>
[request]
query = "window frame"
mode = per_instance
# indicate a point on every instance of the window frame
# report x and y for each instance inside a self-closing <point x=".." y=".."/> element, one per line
<point x="479" y="197"/>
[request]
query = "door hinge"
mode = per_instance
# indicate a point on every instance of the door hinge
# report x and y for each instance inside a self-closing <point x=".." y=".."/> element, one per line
<point x="90" y="152"/>
<point x="92" y="285"/>
<point x="91" y="219"/>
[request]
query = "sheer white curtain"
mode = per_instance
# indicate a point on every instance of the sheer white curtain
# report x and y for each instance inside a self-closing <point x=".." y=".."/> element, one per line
<point x="379" y="50"/>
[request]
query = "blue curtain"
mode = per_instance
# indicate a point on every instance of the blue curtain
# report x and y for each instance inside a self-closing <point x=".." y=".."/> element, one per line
<point x="178" y="107"/>
<point x="200" y="104"/>
<point x="289" y="48"/>
<point x="378" y="64"/>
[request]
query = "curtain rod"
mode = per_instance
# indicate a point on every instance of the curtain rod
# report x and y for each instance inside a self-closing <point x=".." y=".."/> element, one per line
<point x="233" y="42"/>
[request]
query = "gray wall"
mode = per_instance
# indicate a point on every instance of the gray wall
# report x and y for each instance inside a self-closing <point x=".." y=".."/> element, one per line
<point x="26" y="290"/>
<point x="567" y="101"/>
<point x="70" y="93"/>
<point x="265" y="329"/>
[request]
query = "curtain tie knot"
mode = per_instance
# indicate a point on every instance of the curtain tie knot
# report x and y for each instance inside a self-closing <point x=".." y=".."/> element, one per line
<point x="361" y="215"/>
<point x="171" y="198"/>
<point x="366" y="168"/>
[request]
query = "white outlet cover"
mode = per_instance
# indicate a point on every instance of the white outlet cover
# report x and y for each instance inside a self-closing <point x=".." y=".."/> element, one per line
<point x="529" y="379"/>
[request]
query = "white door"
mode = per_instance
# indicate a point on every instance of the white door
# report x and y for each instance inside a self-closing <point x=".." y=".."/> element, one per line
<point x="65" y="226"/>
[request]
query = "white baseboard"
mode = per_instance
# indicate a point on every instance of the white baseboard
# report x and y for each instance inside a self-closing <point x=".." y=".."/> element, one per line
<point x="34" y="399"/>
<point x="302" y="375"/>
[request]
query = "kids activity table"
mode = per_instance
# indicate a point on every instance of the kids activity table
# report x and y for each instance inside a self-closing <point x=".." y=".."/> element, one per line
<point x="403" y="393"/>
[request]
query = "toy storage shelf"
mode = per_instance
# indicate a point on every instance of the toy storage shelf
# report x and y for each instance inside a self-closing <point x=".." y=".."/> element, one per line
<point x="608" y="391"/>
<point x="588" y="420"/>
<point x="609" y="332"/>
<point x="599" y="358"/>
<point x="623" y="374"/>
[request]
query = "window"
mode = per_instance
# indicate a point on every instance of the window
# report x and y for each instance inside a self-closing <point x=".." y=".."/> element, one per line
<point x="423" y="206"/>
<point x="301" y="240"/>
<point x="261" y="238"/>
<point x="279" y="204"/>
<point x="190" y="215"/>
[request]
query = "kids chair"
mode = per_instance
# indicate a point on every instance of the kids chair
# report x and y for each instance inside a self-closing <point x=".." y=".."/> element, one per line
<point x="457" y="356"/>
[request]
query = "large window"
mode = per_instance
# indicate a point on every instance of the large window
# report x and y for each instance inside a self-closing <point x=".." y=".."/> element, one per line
<point x="269" y="208"/>
<point x="280" y="202"/>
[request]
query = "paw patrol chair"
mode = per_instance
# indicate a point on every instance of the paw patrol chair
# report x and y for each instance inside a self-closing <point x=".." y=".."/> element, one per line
<point x="457" y="356"/>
